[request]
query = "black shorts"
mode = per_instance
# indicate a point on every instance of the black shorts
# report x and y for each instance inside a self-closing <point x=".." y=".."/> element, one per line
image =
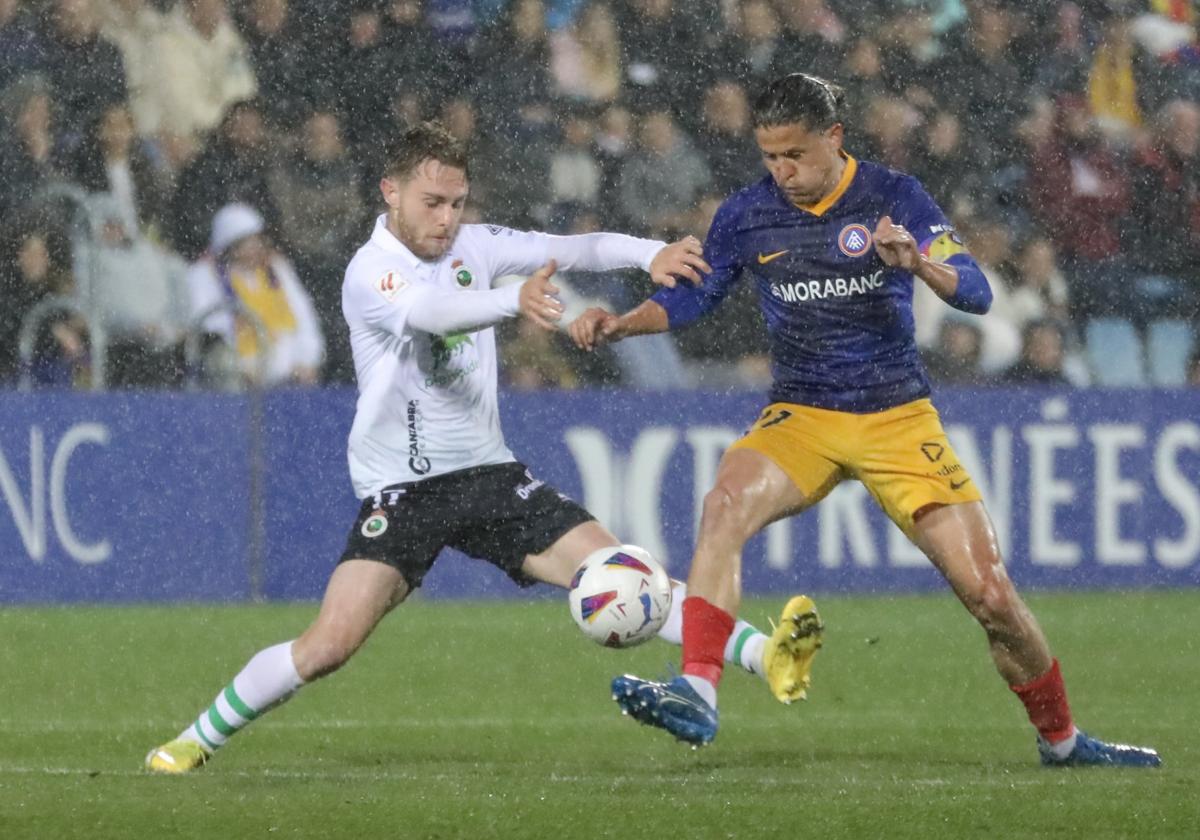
<point x="498" y="513"/>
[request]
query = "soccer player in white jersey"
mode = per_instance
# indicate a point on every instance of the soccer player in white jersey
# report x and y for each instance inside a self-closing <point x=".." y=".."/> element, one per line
<point x="426" y="452"/>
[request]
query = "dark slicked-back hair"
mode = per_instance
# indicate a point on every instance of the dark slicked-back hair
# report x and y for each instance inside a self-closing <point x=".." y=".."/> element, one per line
<point x="799" y="98"/>
<point x="421" y="142"/>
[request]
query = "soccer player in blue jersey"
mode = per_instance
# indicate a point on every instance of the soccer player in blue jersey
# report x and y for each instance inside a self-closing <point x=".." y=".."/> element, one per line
<point x="834" y="246"/>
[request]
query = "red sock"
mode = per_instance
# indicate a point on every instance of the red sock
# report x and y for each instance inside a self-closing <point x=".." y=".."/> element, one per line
<point x="706" y="630"/>
<point x="1045" y="702"/>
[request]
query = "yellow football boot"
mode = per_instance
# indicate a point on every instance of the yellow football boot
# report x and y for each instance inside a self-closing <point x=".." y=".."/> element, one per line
<point x="789" y="652"/>
<point x="178" y="756"/>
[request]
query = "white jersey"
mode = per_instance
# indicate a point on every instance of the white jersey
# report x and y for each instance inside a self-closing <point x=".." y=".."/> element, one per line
<point x="427" y="403"/>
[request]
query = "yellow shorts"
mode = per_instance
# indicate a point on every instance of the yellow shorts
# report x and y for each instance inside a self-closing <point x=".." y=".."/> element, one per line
<point x="902" y="455"/>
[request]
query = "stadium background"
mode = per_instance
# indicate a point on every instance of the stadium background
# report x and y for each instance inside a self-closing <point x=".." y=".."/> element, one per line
<point x="145" y="456"/>
<point x="1061" y="137"/>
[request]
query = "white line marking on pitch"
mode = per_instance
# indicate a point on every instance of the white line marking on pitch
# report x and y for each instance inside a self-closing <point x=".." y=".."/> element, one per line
<point x="19" y="725"/>
<point x="350" y="774"/>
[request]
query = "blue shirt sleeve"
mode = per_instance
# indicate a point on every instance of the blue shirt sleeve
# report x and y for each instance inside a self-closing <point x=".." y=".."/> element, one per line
<point x="687" y="303"/>
<point x="920" y="214"/>
<point x="937" y="240"/>
<point x="973" y="293"/>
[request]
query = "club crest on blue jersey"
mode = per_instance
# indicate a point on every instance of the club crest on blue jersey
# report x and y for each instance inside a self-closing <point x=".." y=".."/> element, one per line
<point x="854" y="240"/>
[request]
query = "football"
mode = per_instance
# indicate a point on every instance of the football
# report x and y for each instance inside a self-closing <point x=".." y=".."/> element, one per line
<point x="620" y="596"/>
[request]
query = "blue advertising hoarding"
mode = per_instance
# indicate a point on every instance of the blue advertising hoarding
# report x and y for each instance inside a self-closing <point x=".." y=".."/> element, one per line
<point x="123" y="498"/>
<point x="143" y="497"/>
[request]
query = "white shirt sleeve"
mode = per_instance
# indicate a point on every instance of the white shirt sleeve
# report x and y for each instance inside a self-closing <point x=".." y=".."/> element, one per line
<point x="377" y="296"/>
<point x="443" y="312"/>
<point x="397" y="305"/>
<point x="523" y="252"/>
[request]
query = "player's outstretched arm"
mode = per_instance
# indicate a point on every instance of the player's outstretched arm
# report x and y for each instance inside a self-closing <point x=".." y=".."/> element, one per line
<point x="441" y="312"/>
<point x="597" y="326"/>
<point x="676" y="304"/>
<point x="665" y="263"/>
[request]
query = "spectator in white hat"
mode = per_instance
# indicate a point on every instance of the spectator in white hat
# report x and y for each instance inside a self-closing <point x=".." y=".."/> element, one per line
<point x="243" y="279"/>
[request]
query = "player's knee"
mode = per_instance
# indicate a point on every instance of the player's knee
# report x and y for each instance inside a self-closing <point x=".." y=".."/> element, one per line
<point x="994" y="604"/>
<point x="728" y="509"/>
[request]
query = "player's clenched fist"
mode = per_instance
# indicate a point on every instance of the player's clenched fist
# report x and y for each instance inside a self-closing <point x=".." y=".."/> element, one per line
<point x="537" y="300"/>
<point x="896" y="246"/>
<point x="594" y="327"/>
<point x="684" y="258"/>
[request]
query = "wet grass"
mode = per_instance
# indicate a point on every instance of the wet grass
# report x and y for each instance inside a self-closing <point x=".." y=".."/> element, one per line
<point x="493" y="720"/>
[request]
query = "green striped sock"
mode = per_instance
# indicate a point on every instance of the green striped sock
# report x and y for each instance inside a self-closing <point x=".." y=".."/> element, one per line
<point x="745" y="647"/>
<point x="227" y="714"/>
<point x="268" y="679"/>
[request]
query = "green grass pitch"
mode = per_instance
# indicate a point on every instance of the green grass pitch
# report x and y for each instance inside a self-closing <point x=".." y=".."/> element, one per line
<point x="487" y="720"/>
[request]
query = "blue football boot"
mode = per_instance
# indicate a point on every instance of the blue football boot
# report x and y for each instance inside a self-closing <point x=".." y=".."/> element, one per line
<point x="1090" y="752"/>
<point x="674" y="706"/>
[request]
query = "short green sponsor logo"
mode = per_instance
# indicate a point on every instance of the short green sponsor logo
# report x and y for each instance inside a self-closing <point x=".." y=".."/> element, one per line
<point x="445" y="347"/>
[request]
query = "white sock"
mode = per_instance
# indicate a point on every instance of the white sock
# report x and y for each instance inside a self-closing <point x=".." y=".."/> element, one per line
<point x="1064" y="747"/>
<point x="672" y="630"/>
<point x="268" y="679"/>
<point x="706" y="690"/>
<point x="744" y="647"/>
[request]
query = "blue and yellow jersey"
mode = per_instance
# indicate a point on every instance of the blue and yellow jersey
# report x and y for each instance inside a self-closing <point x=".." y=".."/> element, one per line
<point x="840" y="321"/>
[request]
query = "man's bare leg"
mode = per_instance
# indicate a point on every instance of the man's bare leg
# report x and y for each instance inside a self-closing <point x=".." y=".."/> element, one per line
<point x="960" y="541"/>
<point x="358" y="595"/>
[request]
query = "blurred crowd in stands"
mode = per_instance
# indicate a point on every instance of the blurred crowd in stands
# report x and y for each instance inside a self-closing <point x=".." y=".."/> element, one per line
<point x="183" y="181"/>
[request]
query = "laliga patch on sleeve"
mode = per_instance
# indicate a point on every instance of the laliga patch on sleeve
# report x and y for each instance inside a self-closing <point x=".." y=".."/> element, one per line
<point x="390" y="285"/>
<point x="943" y="246"/>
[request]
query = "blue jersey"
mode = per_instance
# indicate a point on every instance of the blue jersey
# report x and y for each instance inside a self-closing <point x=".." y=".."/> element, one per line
<point x="840" y="321"/>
